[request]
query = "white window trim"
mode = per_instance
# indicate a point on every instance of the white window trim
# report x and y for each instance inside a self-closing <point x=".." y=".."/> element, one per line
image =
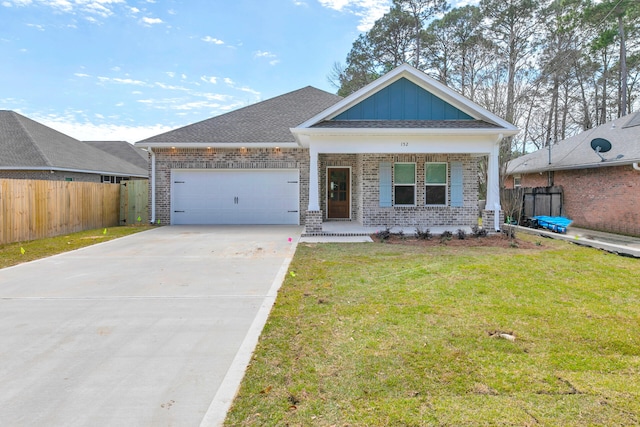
<point x="445" y="185"/>
<point x="517" y="181"/>
<point x="415" y="179"/>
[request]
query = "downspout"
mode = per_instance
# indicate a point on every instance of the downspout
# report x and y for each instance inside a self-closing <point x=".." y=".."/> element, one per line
<point x="153" y="186"/>
<point x="636" y="166"/>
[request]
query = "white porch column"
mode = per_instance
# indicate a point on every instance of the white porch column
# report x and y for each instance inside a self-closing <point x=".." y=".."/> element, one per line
<point x="493" y="184"/>
<point x="314" y="180"/>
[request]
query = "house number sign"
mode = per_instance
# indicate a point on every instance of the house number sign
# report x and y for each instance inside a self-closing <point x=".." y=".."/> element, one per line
<point x="404" y="144"/>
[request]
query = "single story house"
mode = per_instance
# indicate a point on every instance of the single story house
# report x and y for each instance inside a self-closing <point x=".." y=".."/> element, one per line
<point x="31" y="150"/>
<point x="401" y="151"/>
<point x="598" y="170"/>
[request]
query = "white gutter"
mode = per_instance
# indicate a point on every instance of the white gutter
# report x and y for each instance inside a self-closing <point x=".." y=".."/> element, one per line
<point x="153" y="186"/>
<point x="636" y="166"/>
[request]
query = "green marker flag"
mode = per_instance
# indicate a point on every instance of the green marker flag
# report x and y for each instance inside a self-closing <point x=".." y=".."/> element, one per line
<point x="22" y="251"/>
<point x="104" y="231"/>
<point x="139" y="218"/>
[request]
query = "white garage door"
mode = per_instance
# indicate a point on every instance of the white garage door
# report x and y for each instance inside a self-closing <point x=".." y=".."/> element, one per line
<point x="235" y="196"/>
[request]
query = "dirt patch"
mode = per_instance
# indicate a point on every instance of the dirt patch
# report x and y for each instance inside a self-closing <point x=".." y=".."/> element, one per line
<point x="492" y="240"/>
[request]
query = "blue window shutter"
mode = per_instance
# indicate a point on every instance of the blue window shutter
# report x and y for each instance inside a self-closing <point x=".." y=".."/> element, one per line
<point x="457" y="185"/>
<point x="385" y="185"/>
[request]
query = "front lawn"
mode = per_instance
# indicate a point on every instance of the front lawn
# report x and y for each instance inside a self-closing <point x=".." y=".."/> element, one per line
<point x="402" y="335"/>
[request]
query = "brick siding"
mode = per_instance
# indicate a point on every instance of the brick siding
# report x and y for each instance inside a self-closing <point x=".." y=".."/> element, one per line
<point x="373" y="215"/>
<point x="365" y="205"/>
<point x="203" y="158"/>
<point x="604" y="198"/>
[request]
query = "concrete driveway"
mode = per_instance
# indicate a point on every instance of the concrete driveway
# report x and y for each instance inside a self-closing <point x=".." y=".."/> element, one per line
<point x="154" y="329"/>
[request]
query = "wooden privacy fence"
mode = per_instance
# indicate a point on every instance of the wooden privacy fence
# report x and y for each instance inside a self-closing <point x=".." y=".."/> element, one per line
<point x="33" y="209"/>
<point x="134" y="202"/>
<point x="521" y="203"/>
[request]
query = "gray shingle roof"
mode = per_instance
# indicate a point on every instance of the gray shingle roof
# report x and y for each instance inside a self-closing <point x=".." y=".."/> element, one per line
<point x="266" y="121"/>
<point x="26" y="145"/>
<point x="576" y="152"/>
<point x="409" y="124"/>
<point x="123" y="150"/>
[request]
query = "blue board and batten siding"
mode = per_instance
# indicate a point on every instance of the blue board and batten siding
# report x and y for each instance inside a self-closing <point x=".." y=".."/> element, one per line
<point x="403" y="100"/>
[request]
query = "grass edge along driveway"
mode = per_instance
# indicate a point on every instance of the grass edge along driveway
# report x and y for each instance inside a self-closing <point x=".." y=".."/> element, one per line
<point x="20" y="252"/>
<point x="384" y="335"/>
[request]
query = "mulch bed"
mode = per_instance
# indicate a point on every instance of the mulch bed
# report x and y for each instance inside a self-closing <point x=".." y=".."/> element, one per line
<point x="492" y="240"/>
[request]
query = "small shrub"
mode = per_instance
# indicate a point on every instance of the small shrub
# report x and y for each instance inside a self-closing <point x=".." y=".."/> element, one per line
<point x="461" y="234"/>
<point x="446" y="236"/>
<point x="401" y="235"/>
<point x="509" y="232"/>
<point x="478" y="231"/>
<point x="384" y="235"/>
<point x="423" y="234"/>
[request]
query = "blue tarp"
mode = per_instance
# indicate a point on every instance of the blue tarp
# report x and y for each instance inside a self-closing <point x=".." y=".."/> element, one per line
<point x="558" y="224"/>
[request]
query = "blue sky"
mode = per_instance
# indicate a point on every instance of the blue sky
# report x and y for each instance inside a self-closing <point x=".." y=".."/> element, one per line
<point x="130" y="69"/>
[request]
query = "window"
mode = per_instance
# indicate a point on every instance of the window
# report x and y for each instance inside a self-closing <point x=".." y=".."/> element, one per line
<point x="404" y="184"/>
<point x="517" y="181"/>
<point x="435" y="175"/>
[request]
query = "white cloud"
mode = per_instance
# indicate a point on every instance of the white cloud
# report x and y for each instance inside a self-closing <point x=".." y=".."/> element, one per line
<point x="261" y="54"/>
<point x="122" y="81"/>
<point x="87" y="131"/>
<point x="212" y="40"/>
<point x="81" y="75"/>
<point x="208" y="79"/>
<point x="368" y="10"/>
<point x="228" y="81"/>
<point x="151" y="21"/>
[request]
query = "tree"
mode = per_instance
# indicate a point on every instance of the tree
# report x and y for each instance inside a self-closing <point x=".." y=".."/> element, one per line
<point x="421" y="12"/>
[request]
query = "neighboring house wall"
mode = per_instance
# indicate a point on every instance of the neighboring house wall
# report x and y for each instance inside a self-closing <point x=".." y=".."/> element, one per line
<point x="605" y="198"/>
<point x="253" y="158"/>
<point x="48" y="176"/>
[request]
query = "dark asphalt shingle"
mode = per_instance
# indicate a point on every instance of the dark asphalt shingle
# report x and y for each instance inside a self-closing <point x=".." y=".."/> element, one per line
<point x="266" y="121"/>
<point x="27" y="144"/>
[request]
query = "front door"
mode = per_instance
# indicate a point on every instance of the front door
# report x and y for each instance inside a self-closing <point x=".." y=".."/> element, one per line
<point x="338" y="193"/>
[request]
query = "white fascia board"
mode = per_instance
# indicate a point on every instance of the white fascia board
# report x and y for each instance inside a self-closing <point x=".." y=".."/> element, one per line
<point x="364" y="136"/>
<point x="424" y="81"/>
<point x="205" y="145"/>
<point x="410" y="144"/>
<point x="56" y="169"/>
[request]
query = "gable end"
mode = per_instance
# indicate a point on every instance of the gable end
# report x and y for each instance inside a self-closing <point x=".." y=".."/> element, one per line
<point x="403" y="100"/>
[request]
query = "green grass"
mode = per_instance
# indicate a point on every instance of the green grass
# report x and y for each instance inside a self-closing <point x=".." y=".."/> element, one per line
<point x="392" y="335"/>
<point x="16" y="253"/>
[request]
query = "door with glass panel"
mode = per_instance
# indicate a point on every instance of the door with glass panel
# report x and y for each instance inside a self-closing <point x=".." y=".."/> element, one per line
<point x="338" y="193"/>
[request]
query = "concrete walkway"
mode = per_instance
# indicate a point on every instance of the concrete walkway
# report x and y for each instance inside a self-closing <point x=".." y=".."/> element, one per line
<point x="154" y="329"/>
<point x="614" y="243"/>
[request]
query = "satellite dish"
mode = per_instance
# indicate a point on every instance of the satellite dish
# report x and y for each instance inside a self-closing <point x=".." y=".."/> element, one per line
<point x="600" y="145"/>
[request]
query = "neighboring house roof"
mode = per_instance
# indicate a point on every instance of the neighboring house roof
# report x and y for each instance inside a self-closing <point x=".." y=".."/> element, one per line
<point x="28" y="145"/>
<point x="576" y="152"/>
<point x="264" y="122"/>
<point x="123" y="150"/>
<point x="407" y="98"/>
